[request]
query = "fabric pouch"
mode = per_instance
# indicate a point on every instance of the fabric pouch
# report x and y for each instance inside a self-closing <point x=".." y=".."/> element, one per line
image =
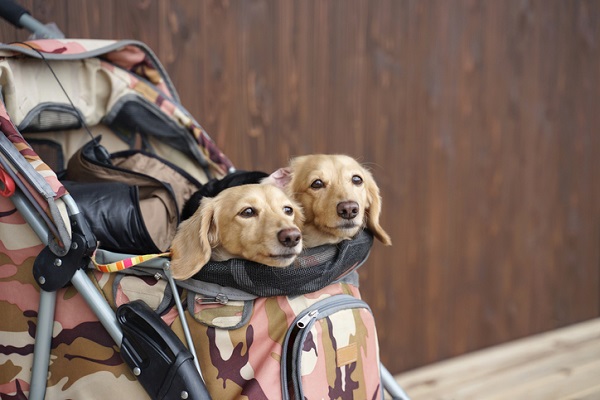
<point x="317" y="345"/>
<point x="131" y="199"/>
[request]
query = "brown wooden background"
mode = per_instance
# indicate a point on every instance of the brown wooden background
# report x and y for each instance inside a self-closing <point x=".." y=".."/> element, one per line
<point x="479" y="119"/>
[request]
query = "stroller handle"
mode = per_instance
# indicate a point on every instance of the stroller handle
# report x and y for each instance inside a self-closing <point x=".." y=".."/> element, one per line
<point x="21" y="18"/>
<point x="12" y="12"/>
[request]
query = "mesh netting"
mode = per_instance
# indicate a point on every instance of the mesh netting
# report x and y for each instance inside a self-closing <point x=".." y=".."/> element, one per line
<point x="314" y="269"/>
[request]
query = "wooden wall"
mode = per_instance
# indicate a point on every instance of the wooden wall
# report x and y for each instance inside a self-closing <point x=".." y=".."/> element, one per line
<point x="479" y="119"/>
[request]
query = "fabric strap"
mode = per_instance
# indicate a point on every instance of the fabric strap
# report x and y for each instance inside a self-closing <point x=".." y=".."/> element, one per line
<point x="126" y="263"/>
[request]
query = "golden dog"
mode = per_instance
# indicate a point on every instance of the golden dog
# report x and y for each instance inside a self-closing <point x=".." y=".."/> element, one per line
<point x="255" y="222"/>
<point x="338" y="197"/>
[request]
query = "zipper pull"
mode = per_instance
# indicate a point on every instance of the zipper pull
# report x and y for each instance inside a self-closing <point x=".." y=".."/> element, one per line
<point x="303" y="322"/>
<point x="218" y="299"/>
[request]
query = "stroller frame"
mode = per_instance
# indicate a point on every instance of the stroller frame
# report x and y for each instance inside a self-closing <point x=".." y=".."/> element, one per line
<point x="99" y="306"/>
<point x="106" y="316"/>
<point x="83" y="284"/>
<point x="21" y="18"/>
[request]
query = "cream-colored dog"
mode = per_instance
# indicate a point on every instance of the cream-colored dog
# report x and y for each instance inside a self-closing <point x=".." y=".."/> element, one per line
<point x="255" y="222"/>
<point x="338" y="197"/>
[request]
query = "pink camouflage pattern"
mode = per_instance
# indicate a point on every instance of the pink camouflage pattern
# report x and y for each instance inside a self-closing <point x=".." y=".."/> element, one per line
<point x="245" y="362"/>
<point x="137" y="62"/>
<point x="239" y="358"/>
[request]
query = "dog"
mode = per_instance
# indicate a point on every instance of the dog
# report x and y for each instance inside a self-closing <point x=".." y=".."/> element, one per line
<point x="338" y="196"/>
<point x="254" y="221"/>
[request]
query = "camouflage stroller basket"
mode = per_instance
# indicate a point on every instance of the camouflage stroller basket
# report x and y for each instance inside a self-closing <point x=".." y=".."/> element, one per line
<point x="70" y="327"/>
<point x="120" y="90"/>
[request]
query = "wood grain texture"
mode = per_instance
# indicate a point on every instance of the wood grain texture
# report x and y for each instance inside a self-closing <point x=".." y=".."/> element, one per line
<point x="561" y="364"/>
<point x="479" y="120"/>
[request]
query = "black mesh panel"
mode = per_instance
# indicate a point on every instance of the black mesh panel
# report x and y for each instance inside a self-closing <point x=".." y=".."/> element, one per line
<point x="313" y="270"/>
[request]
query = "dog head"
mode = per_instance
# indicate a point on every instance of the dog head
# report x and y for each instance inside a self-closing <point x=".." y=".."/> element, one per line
<point x="337" y="194"/>
<point x="255" y="222"/>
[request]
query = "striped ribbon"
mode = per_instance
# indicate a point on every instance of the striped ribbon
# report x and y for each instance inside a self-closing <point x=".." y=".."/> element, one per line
<point x="126" y="263"/>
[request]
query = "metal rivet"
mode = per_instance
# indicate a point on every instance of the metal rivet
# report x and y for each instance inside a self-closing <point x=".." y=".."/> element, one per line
<point x="57" y="262"/>
<point x="184" y="395"/>
<point x="137" y="371"/>
<point x="158" y="276"/>
<point x="41" y="280"/>
<point x="74" y="245"/>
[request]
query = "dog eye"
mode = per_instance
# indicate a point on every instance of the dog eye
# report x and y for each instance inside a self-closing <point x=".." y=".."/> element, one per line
<point x="317" y="184"/>
<point x="248" y="212"/>
<point x="288" y="210"/>
<point x="357" y="180"/>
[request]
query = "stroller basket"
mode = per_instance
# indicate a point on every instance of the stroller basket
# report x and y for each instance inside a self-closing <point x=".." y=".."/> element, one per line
<point x="122" y="93"/>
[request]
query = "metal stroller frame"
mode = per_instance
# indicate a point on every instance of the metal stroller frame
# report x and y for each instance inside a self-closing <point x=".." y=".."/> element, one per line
<point x="106" y="315"/>
<point x="98" y="304"/>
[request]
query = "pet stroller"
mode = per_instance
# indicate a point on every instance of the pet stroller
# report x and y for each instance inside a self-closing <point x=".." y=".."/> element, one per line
<point x="95" y="148"/>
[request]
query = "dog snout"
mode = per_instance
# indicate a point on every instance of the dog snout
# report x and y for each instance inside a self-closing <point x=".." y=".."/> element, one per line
<point x="347" y="209"/>
<point x="289" y="237"/>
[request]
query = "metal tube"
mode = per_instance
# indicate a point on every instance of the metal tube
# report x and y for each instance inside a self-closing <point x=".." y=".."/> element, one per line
<point x="90" y="293"/>
<point x="391" y="386"/>
<point x="40" y="30"/>
<point x="47" y="304"/>
<point x="42" y="345"/>
<point x="70" y="203"/>
<point x="81" y="282"/>
<point x="98" y="304"/>
<point x="181" y="312"/>
<point x="33" y="219"/>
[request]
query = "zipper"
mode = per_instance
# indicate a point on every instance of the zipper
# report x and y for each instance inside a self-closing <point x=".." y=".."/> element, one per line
<point x="218" y="299"/>
<point x="301" y="327"/>
<point x="304" y="321"/>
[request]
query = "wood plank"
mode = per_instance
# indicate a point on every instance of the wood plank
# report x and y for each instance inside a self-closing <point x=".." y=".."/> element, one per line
<point x="179" y="39"/>
<point x="591" y="393"/>
<point x="466" y="371"/>
<point x="540" y="378"/>
<point x="137" y="19"/>
<point x="567" y="382"/>
<point x="90" y="19"/>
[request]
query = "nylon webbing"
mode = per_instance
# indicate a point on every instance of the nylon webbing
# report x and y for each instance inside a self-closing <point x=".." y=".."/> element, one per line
<point x="126" y="263"/>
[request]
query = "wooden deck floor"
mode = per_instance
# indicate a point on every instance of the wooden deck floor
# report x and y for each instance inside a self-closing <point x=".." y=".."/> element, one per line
<point x="558" y="365"/>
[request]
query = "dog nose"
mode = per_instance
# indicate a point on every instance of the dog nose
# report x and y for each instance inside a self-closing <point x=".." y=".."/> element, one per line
<point x="347" y="209"/>
<point x="289" y="237"/>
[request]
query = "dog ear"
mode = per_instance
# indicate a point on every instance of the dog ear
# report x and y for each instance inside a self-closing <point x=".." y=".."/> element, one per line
<point x="280" y="178"/>
<point x="192" y="246"/>
<point x="209" y="237"/>
<point x="374" y="210"/>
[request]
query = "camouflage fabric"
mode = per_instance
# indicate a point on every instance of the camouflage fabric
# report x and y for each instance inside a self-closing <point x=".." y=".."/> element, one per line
<point x="130" y="55"/>
<point x="83" y="356"/>
<point x="340" y="359"/>
<point x="236" y="363"/>
<point x="240" y="344"/>
<point x="52" y="209"/>
<point x="117" y="69"/>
